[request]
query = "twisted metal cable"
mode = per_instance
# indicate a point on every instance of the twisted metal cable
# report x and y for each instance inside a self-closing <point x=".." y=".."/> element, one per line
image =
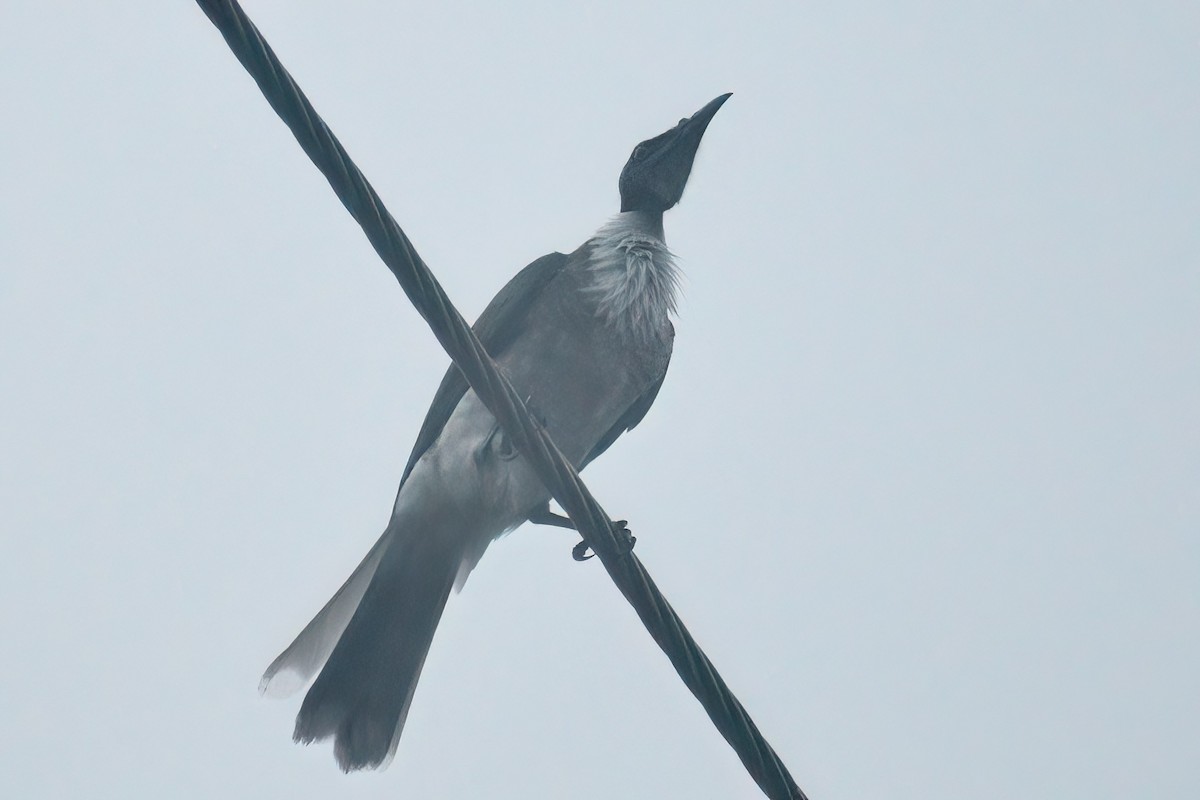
<point x="494" y="390"/>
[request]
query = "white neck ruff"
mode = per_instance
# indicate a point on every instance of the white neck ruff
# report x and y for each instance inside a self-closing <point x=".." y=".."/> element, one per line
<point x="634" y="276"/>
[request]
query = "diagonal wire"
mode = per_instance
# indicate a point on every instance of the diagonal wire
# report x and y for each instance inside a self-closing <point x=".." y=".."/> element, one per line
<point x="494" y="390"/>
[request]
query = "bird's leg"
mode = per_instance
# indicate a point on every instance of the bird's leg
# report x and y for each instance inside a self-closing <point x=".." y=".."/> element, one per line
<point x="542" y="515"/>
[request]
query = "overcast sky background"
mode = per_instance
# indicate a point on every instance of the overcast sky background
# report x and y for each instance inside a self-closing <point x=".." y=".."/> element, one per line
<point x="924" y="478"/>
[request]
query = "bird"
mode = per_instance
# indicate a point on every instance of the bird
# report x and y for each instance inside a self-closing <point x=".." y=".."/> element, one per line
<point x="586" y="337"/>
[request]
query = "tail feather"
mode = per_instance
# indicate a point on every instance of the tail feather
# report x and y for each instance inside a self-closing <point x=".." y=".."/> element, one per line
<point x="362" y="695"/>
<point x="309" y="651"/>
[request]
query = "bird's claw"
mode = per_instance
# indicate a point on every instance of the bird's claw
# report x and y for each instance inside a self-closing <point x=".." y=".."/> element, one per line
<point x="625" y="538"/>
<point x="625" y="542"/>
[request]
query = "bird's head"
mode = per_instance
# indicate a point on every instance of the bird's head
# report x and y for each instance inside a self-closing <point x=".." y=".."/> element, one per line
<point x="658" y="169"/>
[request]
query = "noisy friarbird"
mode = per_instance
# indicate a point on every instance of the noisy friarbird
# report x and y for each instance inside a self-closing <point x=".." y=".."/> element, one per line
<point x="586" y="337"/>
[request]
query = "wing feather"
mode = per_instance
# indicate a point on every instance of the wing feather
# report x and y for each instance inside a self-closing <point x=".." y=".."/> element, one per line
<point x="496" y="328"/>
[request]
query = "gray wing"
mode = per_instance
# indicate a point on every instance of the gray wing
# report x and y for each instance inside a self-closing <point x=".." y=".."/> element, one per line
<point x="496" y="328"/>
<point x="628" y="421"/>
<point x="541" y="514"/>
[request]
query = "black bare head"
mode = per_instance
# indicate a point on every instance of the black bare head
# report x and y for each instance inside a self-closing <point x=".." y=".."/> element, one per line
<point x="654" y="176"/>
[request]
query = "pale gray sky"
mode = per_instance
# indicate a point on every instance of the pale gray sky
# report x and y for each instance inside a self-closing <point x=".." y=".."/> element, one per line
<point x="924" y="478"/>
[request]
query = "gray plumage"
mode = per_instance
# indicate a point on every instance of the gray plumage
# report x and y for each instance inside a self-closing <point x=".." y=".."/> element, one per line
<point x="587" y="338"/>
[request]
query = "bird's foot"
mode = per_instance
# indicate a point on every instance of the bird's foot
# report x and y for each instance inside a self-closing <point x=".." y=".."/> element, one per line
<point x="542" y="515"/>
<point x="625" y="541"/>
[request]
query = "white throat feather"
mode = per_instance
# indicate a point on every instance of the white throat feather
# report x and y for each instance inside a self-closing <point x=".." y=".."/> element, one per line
<point x="634" y="276"/>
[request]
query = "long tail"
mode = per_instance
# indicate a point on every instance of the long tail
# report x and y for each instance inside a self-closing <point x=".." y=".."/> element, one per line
<point x="363" y="693"/>
<point x="296" y="665"/>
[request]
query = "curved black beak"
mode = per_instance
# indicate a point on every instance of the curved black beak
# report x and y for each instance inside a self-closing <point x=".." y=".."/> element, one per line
<point x="682" y="141"/>
<point x="697" y="123"/>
